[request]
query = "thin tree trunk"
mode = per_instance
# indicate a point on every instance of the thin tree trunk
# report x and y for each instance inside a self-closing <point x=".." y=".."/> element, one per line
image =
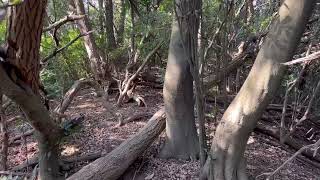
<point x="3" y="138"/>
<point x="182" y="139"/>
<point x="110" y="25"/>
<point x="123" y="11"/>
<point x="226" y="161"/>
<point x="98" y="67"/>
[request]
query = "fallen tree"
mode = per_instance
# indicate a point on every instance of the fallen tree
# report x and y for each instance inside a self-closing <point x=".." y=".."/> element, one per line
<point x="72" y="92"/>
<point x="114" y="164"/>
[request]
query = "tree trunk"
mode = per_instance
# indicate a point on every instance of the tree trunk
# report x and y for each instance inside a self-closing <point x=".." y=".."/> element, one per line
<point x="24" y="36"/>
<point x="114" y="164"/>
<point x="109" y="25"/>
<point x="98" y="67"/>
<point x="226" y="161"/>
<point x="123" y="11"/>
<point x="182" y="139"/>
<point x="3" y="138"/>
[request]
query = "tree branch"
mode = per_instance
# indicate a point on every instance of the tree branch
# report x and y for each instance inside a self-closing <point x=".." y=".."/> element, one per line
<point x="63" y="21"/>
<point x="55" y="52"/>
<point x="311" y="57"/>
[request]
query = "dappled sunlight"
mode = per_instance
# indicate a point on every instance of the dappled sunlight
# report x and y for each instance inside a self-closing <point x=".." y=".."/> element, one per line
<point x="69" y="150"/>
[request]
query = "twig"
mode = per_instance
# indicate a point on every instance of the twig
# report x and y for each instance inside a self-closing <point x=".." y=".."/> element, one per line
<point x="314" y="147"/>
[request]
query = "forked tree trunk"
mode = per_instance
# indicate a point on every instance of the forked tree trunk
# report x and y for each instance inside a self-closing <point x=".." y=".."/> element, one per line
<point x="226" y="161"/>
<point x="182" y="139"/>
<point x="24" y="36"/>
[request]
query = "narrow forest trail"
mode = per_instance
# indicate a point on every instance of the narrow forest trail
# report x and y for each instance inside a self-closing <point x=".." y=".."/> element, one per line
<point x="99" y="133"/>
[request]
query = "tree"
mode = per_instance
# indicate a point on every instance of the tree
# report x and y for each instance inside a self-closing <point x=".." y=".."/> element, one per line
<point x="19" y="75"/>
<point x="98" y="66"/>
<point x="181" y="140"/>
<point x="109" y="25"/>
<point x="226" y="159"/>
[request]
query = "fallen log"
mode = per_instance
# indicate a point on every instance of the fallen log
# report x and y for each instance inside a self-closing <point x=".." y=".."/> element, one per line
<point x="114" y="164"/>
<point x="291" y="142"/>
<point x="33" y="161"/>
<point x="72" y="92"/>
<point x="134" y="118"/>
<point x="18" y="137"/>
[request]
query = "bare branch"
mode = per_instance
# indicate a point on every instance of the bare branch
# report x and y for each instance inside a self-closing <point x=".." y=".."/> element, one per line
<point x="55" y="52"/>
<point x="63" y="21"/>
<point x="311" y="57"/>
<point x="301" y="150"/>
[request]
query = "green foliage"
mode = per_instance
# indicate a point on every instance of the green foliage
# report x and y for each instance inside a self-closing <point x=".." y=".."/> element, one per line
<point x="66" y="67"/>
<point x="3" y="30"/>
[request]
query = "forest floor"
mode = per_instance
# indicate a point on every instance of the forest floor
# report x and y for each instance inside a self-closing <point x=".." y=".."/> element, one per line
<point x="99" y="133"/>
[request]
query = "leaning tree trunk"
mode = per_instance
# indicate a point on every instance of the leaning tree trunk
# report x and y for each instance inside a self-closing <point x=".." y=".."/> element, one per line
<point x="226" y="161"/>
<point x="109" y="25"/>
<point x="98" y="67"/>
<point x="181" y="140"/>
<point x="24" y="35"/>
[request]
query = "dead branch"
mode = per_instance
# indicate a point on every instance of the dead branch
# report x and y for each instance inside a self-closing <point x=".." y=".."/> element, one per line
<point x="72" y="92"/>
<point x="134" y="76"/>
<point x="135" y="117"/>
<point x="14" y="173"/>
<point x="305" y="116"/>
<point x="86" y="157"/>
<point x="314" y="147"/>
<point x="294" y="144"/>
<point x="64" y="20"/>
<point x="18" y="137"/>
<point x="55" y="52"/>
<point x="33" y="161"/>
<point x="114" y="164"/>
<point x="307" y="59"/>
<point x="14" y="119"/>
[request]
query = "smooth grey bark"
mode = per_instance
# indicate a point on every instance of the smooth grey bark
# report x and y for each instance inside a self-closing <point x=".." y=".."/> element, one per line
<point x="226" y="161"/>
<point x="181" y="135"/>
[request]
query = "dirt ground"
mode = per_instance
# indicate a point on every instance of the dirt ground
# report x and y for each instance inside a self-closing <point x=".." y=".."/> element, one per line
<point x="99" y="133"/>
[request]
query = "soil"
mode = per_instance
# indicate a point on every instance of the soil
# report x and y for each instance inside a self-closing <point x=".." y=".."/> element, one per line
<point x="99" y="133"/>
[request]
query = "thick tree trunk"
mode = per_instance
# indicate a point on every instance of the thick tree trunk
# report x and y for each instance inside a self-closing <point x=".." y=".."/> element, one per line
<point x="98" y="67"/>
<point x="114" y="164"/>
<point x="182" y="139"/>
<point x="226" y="161"/>
<point x="24" y="36"/>
<point x="109" y="25"/>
